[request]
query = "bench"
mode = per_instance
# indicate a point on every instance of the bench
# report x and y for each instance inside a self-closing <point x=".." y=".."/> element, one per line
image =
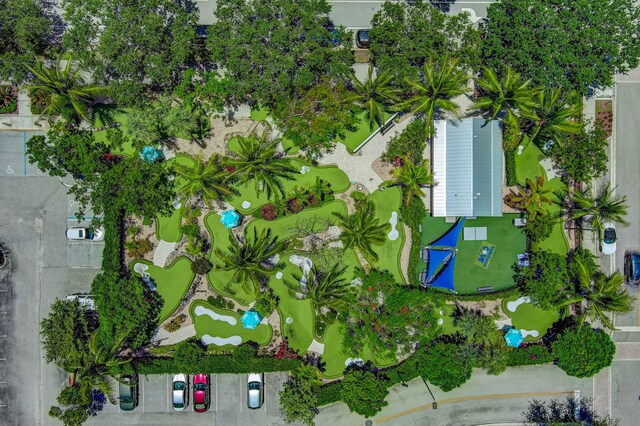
<point x="388" y="125"/>
<point x="487" y="289"/>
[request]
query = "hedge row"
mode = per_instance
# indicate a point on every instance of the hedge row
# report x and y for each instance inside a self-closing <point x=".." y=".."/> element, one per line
<point x="209" y="364"/>
<point x="412" y="215"/>
<point x="510" y="167"/>
<point x="531" y="355"/>
<point x="114" y="237"/>
<point x="483" y="296"/>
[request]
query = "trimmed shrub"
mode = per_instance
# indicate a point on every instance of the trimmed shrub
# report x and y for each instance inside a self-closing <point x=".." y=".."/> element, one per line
<point x="510" y="167"/>
<point x="534" y="354"/>
<point x="8" y="99"/>
<point x="201" y="266"/>
<point x="294" y="206"/>
<point x="268" y="212"/>
<point x="330" y="393"/>
<point x="174" y="324"/>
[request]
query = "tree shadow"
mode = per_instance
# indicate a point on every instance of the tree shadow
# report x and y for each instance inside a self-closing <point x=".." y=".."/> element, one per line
<point x="443" y="5"/>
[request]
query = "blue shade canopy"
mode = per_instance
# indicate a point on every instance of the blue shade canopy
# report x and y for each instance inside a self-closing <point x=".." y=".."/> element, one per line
<point x="450" y="238"/>
<point x="436" y="257"/>
<point x="250" y="319"/>
<point x="514" y="338"/>
<point x="230" y="218"/>
<point x="149" y="154"/>
<point x="444" y="279"/>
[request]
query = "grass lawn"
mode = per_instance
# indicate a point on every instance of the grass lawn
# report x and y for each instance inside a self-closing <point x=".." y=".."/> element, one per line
<point x="332" y="174"/>
<point x="297" y="318"/>
<point x="101" y="136"/>
<point x="448" y="326"/>
<point x="528" y="164"/>
<point x="508" y="239"/>
<point x="172" y="282"/>
<point x="530" y="317"/>
<point x="556" y="242"/>
<point x="220" y="281"/>
<point x="168" y="228"/>
<point x="387" y="202"/>
<point x="204" y="324"/>
<point x="352" y="139"/>
<point x="284" y="227"/>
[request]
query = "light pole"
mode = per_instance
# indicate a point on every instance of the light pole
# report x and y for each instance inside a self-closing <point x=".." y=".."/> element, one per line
<point x="402" y="382"/>
<point x="434" y="405"/>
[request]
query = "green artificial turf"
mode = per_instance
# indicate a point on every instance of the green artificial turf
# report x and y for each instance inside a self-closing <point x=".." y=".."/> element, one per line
<point x="448" y="326"/>
<point x="101" y="136"/>
<point x="333" y="175"/>
<point x="528" y="164"/>
<point x="285" y="227"/>
<point x="362" y="131"/>
<point x="530" y="317"/>
<point x="508" y="239"/>
<point x="169" y="228"/>
<point x="387" y="202"/>
<point x="204" y="324"/>
<point x="171" y="282"/>
<point x="556" y="242"/>
<point x="221" y="280"/>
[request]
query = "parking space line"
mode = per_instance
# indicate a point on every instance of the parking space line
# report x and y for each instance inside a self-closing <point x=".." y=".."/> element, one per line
<point x="24" y="151"/>
<point x="169" y="391"/>
<point x="240" y="398"/>
<point x="142" y="391"/>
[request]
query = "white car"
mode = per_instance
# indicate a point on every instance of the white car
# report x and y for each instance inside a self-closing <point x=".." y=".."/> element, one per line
<point x="608" y="243"/>
<point x="85" y="300"/>
<point x="79" y="233"/>
<point x="255" y="390"/>
<point x="180" y="392"/>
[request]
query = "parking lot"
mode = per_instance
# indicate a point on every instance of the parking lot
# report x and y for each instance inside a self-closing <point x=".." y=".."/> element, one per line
<point x="228" y="403"/>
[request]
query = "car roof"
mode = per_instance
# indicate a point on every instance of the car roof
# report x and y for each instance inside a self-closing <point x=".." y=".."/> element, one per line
<point x="254" y="398"/>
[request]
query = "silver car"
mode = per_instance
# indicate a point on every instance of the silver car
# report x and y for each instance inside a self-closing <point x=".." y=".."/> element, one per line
<point x="180" y="392"/>
<point x="80" y="233"/>
<point x="255" y="390"/>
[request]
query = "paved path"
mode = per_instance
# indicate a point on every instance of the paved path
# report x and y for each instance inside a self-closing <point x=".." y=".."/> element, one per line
<point x="162" y="253"/>
<point x="358" y="166"/>
<point x="23" y="120"/>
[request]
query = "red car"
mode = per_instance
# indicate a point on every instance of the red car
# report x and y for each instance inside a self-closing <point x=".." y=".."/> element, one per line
<point x="201" y="393"/>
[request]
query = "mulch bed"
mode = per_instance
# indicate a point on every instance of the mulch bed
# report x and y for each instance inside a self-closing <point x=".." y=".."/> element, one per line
<point x="604" y="115"/>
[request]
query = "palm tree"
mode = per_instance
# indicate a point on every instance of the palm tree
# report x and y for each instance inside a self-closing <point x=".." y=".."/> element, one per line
<point x="557" y="115"/>
<point x="66" y="92"/>
<point x="603" y="295"/>
<point x="362" y="230"/>
<point x="476" y="328"/>
<point x="250" y="261"/>
<point x="605" y="207"/>
<point x="320" y="188"/>
<point x="374" y="95"/>
<point x="532" y="198"/>
<point x="209" y="179"/>
<point x="412" y="178"/>
<point x="509" y="97"/>
<point x="325" y="289"/>
<point x="432" y="95"/>
<point x="257" y="159"/>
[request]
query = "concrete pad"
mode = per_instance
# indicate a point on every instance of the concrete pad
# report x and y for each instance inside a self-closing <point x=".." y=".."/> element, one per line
<point x="154" y="393"/>
<point x="82" y="254"/>
<point x="481" y="233"/>
<point x="624" y="391"/>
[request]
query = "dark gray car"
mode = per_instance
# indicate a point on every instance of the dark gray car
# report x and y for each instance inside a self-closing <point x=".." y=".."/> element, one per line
<point x="128" y="388"/>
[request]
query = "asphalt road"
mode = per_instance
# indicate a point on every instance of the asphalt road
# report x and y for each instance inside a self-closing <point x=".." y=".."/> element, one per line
<point x="355" y="14"/>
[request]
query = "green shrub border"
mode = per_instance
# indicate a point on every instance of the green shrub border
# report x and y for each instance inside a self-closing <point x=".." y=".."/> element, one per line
<point x="510" y="167"/>
<point x="13" y="105"/>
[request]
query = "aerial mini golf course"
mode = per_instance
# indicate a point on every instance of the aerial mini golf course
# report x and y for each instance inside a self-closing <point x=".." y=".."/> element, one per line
<point x="533" y="321"/>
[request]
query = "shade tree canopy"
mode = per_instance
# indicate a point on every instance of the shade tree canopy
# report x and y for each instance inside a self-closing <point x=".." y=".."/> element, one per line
<point x="572" y="44"/>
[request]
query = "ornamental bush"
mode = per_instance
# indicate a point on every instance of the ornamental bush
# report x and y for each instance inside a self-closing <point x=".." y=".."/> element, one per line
<point x="583" y="351"/>
<point x="364" y="392"/>
<point x="201" y="266"/>
<point x="268" y="212"/>
<point x="442" y="366"/>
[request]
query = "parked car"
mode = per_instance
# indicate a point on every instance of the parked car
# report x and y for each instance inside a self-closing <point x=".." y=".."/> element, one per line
<point x="632" y="266"/>
<point x="362" y="39"/>
<point x="608" y="243"/>
<point x="78" y="233"/>
<point x="180" y="392"/>
<point x="85" y="300"/>
<point x="255" y="390"/>
<point x="201" y="395"/>
<point x="128" y="387"/>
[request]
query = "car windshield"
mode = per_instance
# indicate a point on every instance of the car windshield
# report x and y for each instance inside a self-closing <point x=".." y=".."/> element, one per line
<point x="178" y="385"/>
<point x="200" y="386"/>
<point x="254" y="386"/>
<point x="609" y="235"/>
<point x="125" y="399"/>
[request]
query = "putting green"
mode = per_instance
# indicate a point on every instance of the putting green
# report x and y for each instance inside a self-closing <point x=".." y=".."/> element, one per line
<point x="221" y="327"/>
<point x="528" y="164"/>
<point x="361" y="132"/>
<point x="221" y="280"/>
<point x="530" y="317"/>
<point x="387" y="202"/>
<point x="285" y="227"/>
<point x="333" y="175"/>
<point x="171" y="282"/>
<point x="169" y="228"/>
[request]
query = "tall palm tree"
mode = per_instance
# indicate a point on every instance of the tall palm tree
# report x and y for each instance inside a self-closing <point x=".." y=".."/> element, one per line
<point x="603" y="295"/>
<point x="476" y="328"/>
<point x="556" y="116"/>
<point x="433" y="93"/>
<point x="325" y="289"/>
<point x="362" y="230"/>
<point x="509" y="98"/>
<point x="258" y="159"/>
<point x="66" y="91"/>
<point x="374" y="95"/>
<point x="250" y="261"/>
<point x="605" y="207"/>
<point x="209" y="179"/>
<point x="532" y="198"/>
<point x="412" y="178"/>
<point x="320" y="188"/>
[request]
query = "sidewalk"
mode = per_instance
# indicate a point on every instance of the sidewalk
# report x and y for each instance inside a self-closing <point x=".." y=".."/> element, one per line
<point x="23" y="120"/>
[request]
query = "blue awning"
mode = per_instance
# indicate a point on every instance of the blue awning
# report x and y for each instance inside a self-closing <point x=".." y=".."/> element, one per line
<point x="435" y="259"/>
<point x="450" y="238"/>
<point x="444" y="279"/>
